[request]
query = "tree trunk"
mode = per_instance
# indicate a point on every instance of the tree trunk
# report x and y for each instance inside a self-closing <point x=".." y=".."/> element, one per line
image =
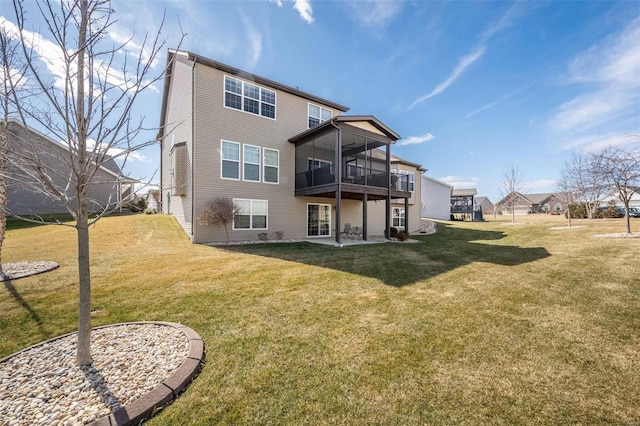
<point x="626" y="215"/>
<point x="513" y="215"/>
<point x="84" y="305"/>
<point x="82" y="219"/>
<point x="3" y="190"/>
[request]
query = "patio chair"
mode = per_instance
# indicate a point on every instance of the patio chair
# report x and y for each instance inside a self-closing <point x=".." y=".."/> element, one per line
<point x="355" y="232"/>
<point x="347" y="230"/>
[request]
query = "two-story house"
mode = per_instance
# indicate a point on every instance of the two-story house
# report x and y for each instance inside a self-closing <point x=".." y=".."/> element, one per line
<point x="292" y="161"/>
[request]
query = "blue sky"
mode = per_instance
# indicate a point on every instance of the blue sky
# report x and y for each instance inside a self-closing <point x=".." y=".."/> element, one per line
<point x="472" y="87"/>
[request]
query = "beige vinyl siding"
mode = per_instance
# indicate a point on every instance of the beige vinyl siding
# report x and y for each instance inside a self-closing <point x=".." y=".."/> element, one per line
<point x="178" y="129"/>
<point x="24" y="196"/>
<point x="214" y="123"/>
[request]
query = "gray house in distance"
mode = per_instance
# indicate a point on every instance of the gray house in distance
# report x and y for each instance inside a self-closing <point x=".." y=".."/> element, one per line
<point x="108" y="189"/>
<point x="293" y="163"/>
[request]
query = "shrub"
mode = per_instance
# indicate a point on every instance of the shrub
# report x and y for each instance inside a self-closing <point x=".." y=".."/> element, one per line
<point x="262" y="236"/>
<point x="279" y="235"/>
<point x="219" y="211"/>
<point x="403" y="235"/>
<point x="612" y="211"/>
<point x="393" y="232"/>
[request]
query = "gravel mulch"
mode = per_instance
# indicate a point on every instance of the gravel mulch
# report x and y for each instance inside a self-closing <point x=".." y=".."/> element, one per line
<point x="618" y="235"/>
<point x="42" y="385"/>
<point x="12" y="271"/>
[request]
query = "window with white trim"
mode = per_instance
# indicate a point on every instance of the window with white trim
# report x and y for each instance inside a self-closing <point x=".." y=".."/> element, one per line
<point x="317" y="115"/>
<point x="271" y="173"/>
<point x="405" y="184"/>
<point x="398" y="217"/>
<point x="230" y="160"/>
<point x="251" y="163"/>
<point x="248" y="97"/>
<point x="252" y="214"/>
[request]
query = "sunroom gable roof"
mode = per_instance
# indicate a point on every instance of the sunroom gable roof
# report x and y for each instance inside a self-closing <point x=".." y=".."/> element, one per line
<point x="365" y="122"/>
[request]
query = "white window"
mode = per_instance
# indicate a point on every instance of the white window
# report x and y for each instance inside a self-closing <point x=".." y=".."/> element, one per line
<point x="248" y="97"/>
<point x="253" y="214"/>
<point x="271" y="163"/>
<point x="404" y="183"/>
<point x="318" y="114"/>
<point x="230" y="160"/>
<point x="398" y="217"/>
<point x="251" y="163"/>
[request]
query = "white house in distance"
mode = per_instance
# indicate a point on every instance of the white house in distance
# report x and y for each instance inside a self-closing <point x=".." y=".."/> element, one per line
<point x="294" y="164"/>
<point x="436" y="199"/>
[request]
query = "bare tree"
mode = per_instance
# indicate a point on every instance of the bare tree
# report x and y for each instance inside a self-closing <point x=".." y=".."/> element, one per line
<point x="219" y="211"/>
<point x="583" y="174"/>
<point x="12" y="71"/>
<point x="565" y="190"/>
<point x="512" y="185"/>
<point x="619" y="167"/>
<point x="87" y="104"/>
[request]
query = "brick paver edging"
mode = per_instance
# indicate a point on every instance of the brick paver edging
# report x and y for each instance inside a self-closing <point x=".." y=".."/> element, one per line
<point x="166" y="392"/>
<point x="162" y="395"/>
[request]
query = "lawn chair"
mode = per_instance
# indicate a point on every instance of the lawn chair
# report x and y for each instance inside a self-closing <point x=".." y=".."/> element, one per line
<point x="355" y="232"/>
<point x="347" y="230"/>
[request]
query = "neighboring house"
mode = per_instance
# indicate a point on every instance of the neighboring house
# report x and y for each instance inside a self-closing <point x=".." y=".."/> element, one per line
<point x="633" y="202"/>
<point x="532" y="203"/>
<point x="462" y="206"/>
<point x="24" y="197"/>
<point x="436" y="199"/>
<point x="484" y="205"/>
<point x="290" y="160"/>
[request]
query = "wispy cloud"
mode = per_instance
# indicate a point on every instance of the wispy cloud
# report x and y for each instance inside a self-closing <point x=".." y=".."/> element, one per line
<point x="505" y="21"/>
<point x="540" y="184"/>
<point x="254" y="42"/>
<point x="460" y="182"/>
<point x="608" y="109"/>
<point x="376" y="13"/>
<point x="414" y="140"/>
<point x="304" y="9"/>
<point x="492" y="104"/>
<point x="463" y="64"/>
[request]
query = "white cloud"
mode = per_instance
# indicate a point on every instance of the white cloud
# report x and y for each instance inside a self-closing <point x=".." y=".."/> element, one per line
<point x="460" y="182"/>
<point x="545" y="184"/>
<point x="414" y="140"/>
<point x="596" y="143"/>
<point x="304" y="9"/>
<point x="277" y="2"/>
<point x="492" y="104"/>
<point x="463" y="64"/>
<point x="118" y="154"/>
<point x="254" y="40"/>
<point x="505" y="21"/>
<point x="607" y="110"/>
<point x="376" y="14"/>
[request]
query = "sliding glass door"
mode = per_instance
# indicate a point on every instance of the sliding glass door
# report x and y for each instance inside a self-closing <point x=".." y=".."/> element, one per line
<point x="318" y="220"/>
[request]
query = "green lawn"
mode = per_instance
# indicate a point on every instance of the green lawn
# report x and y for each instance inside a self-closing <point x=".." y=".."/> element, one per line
<point x="481" y="323"/>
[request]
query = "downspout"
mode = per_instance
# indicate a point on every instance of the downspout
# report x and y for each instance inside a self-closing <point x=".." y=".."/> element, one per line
<point x="193" y="151"/>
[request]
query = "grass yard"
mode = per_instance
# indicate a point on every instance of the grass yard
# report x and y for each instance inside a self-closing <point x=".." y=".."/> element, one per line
<point x="481" y="323"/>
